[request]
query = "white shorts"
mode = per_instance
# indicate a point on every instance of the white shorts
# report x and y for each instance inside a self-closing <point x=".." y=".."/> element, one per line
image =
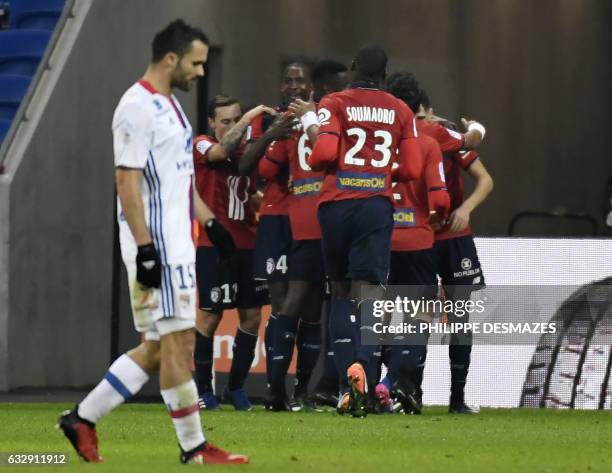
<point x="171" y="308"/>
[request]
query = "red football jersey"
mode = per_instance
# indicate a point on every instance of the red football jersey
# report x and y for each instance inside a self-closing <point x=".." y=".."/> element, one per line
<point x="370" y="124"/>
<point x="448" y="140"/>
<point x="226" y="193"/>
<point x="275" y="199"/>
<point x="305" y="183"/>
<point x="412" y="231"/>
<point x="454" y="165"/>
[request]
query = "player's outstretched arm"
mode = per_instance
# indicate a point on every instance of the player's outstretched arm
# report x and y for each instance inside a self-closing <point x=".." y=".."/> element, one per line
<point x="280" y="129"/>
<point x="307" y="113"/>
<point x="128" y="189"/>
<point x="474" y="134"/>
<point x="460" y="218"/>
<point x="231" y="140"/>
<point x="276" y="158"/>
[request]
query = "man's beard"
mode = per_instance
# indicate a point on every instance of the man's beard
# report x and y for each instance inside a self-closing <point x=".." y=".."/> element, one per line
<point x="183" y="84"/>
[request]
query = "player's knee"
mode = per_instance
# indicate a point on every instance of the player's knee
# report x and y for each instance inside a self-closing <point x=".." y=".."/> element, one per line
<point x="250" y="321"/>
<point x="341" y="289"/>
<point x="152" y="353"/>
<point x="147" y="355"/>
<point x="277" y="292"/>
<point x="207" y="323"/>
<point x="177" y="347"/>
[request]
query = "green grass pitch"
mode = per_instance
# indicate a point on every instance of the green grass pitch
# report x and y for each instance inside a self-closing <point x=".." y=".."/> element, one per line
<point x="140" y="438"/>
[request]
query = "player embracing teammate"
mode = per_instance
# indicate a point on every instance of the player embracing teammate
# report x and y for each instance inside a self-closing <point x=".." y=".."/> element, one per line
<point x="363" y="130"/>
<point x="452" y="256"/>
<point x="224" y="273"/>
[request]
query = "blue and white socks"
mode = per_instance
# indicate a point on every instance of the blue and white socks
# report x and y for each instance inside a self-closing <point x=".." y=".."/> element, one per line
<point x="123" y="379"/>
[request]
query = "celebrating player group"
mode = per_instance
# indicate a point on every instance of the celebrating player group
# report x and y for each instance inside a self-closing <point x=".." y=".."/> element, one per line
<point x="314" y="206"/>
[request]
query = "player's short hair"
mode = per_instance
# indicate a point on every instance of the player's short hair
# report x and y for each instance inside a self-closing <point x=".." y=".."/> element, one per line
<point x="370" y="63"/>
<point x="405" y="87"/>
<point x="176" y="38"/>
<point x="218" y="101"/>
<point x="326" y="68"/>
<point x="299" y="65"/>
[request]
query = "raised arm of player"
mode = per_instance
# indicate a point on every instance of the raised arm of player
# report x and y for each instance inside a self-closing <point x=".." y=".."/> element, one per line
<point x="325" y="149"/>
<point x="460" y="218"/>
<point x="474" y="134"/>
<point x="451" y="140"/>
<point x="307" y="113"/>
<point x="281" y="128"/>
<point x="231" y="140"/>
<point x="274" y="159"/>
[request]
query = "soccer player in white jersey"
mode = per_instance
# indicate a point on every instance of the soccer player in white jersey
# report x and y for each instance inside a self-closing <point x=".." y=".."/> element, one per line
<point x="154" y="175"/>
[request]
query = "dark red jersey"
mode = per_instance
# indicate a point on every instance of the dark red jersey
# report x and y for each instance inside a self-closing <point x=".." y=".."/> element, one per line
<point x="371" y="126"/>
<point x="449" y="140"/>
<point x="275" y="199"/>
<point x="305" y="183"/>
<point x="226" y="193"/>
<point x="414" y="199"/>
<point x="454" y="165"/>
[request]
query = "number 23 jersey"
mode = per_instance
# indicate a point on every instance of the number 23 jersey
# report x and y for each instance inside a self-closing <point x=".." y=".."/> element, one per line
<point x="370" y="124"/>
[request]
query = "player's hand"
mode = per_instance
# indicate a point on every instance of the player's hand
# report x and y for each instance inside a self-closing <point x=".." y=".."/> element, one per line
<point x="221" y="238"/>
<point x="300" y="107"/>
<point x="435" y="220"/>
<point x="282" y="127"/>
<point x="466" y="123"/>
<point x="148" y="266"/>
<point x="444" y="122"/>
<point x="255" y="112"/>
<point x="459" y="219"/>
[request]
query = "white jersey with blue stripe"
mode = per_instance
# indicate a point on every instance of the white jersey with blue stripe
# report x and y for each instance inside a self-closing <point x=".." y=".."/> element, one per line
<point x="152" y="133"/>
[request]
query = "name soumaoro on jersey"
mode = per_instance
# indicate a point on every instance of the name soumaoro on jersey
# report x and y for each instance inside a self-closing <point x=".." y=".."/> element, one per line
<point x="370" y="124"/>
<point x="152" y="133"/>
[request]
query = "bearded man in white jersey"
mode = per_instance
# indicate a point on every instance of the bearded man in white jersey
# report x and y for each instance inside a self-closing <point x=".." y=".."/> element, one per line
<point x="156" y="198"/>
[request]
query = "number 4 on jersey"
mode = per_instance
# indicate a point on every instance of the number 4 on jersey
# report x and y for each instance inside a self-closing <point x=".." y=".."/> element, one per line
<point x="281" y="264"/>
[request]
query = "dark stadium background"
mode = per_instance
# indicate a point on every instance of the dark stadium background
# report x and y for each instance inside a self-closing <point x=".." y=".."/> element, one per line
<point x="537" y="73"/>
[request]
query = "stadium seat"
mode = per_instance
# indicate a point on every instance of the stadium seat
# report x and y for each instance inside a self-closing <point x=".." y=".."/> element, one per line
<point x="4" y="128"/>
<point x="12" y="89"/>
<point x="21" y="50"/>
<point x="35" y="14"/>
